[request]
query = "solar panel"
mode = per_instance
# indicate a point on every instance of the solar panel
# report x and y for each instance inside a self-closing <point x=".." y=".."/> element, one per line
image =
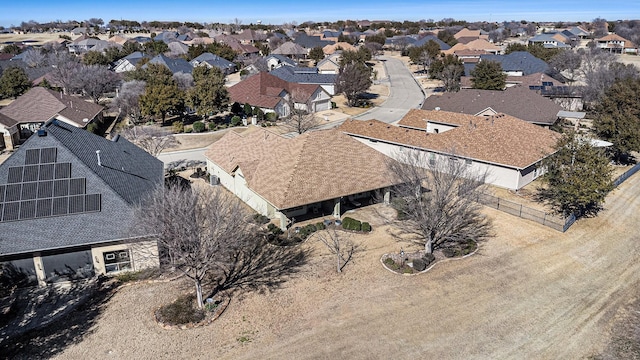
<point x="15" y="175"/>
<point x="77" y="186"/>
<point x="32" y="156"/>
<point x="60" y="206"/>
<point x="13" y="192"/>
<point x="76" y="204"/>
<point x="45" y="189"/>
<point x="46" y="172"/>
<point x="63" y="170"/>
<point x="30" y="173"/>
<point x="48" y="155"/>
<point x="29" y="191"/>
<point x="1" y="208"/>
<point x="92" y="202"/>
<point x="27" y="209"/>
<point x="11" y="211"/>
<point x="43" y="208"/>
<point x="2" y="188"/>
<point x="61" y="187"/>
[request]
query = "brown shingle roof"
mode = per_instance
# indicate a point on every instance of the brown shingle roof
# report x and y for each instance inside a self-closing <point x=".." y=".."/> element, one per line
<point x="41" y="104"/>
<point x="499" y="139"/>
<point x="516" y="101"/>
<point x="263" y="90"/>
<point x="309" y="168"/>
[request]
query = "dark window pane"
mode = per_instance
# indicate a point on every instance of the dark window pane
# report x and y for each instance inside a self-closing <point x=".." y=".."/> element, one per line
<point x="70" y="266"/>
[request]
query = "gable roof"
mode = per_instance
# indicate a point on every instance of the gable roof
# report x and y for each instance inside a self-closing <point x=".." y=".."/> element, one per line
<point x="281" y="59"/>
<point x="40" y="104"/>
<point x="516" y="101"/>
<point x="499" y="139"/>
<point x="301" y="38"/>
<point x="213" y="60"/>
<point x="174" y="65"/>
<point x="309" y="168"/>
<point x="264" y="90"/>
<point x="126" y="176"/>
<point x="303" y="75"/>
<point x="518" y="61"/>
<point x="330" y="49"/>
<point x="615" y="37"/>
<point x="425" y="39"/>
<point x="290" y="48"/>
<point x="467" y="33"/>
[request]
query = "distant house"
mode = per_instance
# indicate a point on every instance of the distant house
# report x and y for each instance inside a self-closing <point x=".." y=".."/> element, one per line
<point x="275" y="61"/>
<point x="176" y="48"/>
<point x="90" y="44"/>
<point x="517" y="63"/>
<point x="318" y="173"/>
<point x="291" y="50"/>
<point x="307" y="75"/>
<point x="330" y="64"/>
<point x="249" y="37"/>
<point x="67" y="200"/>
<point x="175" y="65"/>
<point x="508" y="149"/>
<point x="517" y="101"/>
<point x="339" y="46"/>
<point x="211" y="60"/>
<point x="129" y="62"/>
<point x="272" y="94"/>
<point x="24" y="116"/>
<point x="616" y="44"/>
<point x="241" y="49"/>
<point x="309" y="42"/>
<point x="550" y="40"/>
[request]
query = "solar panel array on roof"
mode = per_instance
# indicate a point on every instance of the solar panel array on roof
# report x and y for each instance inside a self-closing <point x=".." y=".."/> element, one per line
<point x="44" y="187"/>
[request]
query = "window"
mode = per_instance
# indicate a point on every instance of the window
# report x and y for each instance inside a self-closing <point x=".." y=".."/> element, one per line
<point x="432" y="159"/>
<point x="467" y="161"/>
<point x="118" y="260"/>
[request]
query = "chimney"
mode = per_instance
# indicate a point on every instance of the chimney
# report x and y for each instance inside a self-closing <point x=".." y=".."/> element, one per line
<point x="98" y="155"/>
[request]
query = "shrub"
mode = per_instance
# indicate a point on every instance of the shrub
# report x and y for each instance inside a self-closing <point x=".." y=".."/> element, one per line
<point x="177" y="127"/>
<point x="236" y="120"/>
<point x="419" y="264"/>
<point x="261" y="219"/>
<point x="334" y="105"/>
<point x="274" y="230"/>
<point x="320" y="226"/>
<point x="271" y="116"/>
<point x="449" y="252"/>
<point x="351" y="224"/>
<point x="366" y="227"/>
<point x="182" y="311"/>
<point x="198" y="126"/>
<point x="188" y="130"/>
<point x="212" y="126"/>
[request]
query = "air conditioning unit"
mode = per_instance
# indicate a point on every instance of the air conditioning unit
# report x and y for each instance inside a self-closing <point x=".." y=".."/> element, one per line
<point x="214" y="180"/>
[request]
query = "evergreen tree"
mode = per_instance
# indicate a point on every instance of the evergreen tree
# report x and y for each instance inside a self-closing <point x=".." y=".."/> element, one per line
<point x="162" y="94"/>
<point x="617" y="116"/>
<point x="14" y="82"/>
<point x="578" y="177"/>
<point x="209" y="95"/>
<point x="316" y="54"/>
<point x="488" y="75"/>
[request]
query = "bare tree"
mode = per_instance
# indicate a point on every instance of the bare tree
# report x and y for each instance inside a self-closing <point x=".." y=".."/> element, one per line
<point x="64" y="67"/>
<point x="34" y="58"/>
<point x="93" y="81"/>
<point x="201" y="228"/>
<point x="353" y="80"/>
<point x="128" y="100"/>
<point x="450" y="76"/>
<point x="438" y="198"/>
<point x="150" y="138"/>
<point x="300" y="119"/>
<point x="183" y="80"/>
<point x="599" y="70"/>
<point x="274" y="42"/>
<point x="339" y="244"/>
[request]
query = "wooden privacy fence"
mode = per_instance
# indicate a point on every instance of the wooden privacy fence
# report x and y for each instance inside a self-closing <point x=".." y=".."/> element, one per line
<point x="525" y="212"/>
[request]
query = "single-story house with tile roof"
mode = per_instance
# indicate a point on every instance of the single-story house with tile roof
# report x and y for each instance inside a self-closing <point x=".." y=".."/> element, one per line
<point x="508" y="149"/>
<point x="317" y="173"/>
<point x="517" y="101"/>
<point x="273" y="94"/>
<point x="24" y="116"/>
<point x="67" y="200"/>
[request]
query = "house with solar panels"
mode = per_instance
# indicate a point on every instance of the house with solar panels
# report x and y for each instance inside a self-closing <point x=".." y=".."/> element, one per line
<point x="67" y="202"/>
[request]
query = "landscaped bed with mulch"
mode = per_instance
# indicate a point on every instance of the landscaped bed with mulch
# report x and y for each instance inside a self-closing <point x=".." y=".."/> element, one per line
<point x="419" y="261"/>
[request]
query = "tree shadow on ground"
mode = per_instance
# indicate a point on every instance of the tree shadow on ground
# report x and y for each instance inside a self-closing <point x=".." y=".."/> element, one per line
<point x="262" y="267"/>
<point x="40" y="323"/>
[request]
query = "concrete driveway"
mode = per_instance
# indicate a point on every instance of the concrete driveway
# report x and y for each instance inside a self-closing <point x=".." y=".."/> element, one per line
<point x="404" y="94"/>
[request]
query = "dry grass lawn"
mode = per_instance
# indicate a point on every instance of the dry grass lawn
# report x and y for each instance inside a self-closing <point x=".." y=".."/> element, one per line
<point x="530" y="292"/>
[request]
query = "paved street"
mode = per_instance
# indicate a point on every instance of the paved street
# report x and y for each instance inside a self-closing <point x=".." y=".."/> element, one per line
<point x="404" y="94"/>
<point x="182" y="158"/>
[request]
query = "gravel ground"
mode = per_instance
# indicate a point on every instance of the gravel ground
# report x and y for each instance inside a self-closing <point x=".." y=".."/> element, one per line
<point x="530" y="292"/>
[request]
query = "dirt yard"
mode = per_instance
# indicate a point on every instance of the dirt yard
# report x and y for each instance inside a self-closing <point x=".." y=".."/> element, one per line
<point x="530" y="292"/>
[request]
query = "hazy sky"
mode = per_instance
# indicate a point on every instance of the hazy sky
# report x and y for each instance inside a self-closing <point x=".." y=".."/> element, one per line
<point x="276" y="12"/>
